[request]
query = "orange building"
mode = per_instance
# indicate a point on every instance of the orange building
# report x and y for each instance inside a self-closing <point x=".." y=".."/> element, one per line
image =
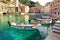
<point x="34" y="10"/>
<point x="55" y="7"/>
<point x="22" y="7"/>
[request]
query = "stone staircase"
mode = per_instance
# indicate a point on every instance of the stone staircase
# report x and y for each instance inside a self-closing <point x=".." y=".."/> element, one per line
<point x="55" y="35"/>
<point x="56" y="27"/>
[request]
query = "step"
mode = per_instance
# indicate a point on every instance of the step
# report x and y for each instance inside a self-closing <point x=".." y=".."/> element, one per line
<point x="57" y="25"/>
<point x="56" y="31"/>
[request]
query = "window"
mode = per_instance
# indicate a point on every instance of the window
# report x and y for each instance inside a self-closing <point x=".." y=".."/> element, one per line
<point x="55" y="12"/>
<point x="50" y="5"/>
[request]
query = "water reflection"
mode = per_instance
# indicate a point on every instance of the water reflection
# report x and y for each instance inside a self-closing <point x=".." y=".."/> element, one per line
<point x="14" y="18"/>
<point x="15" y="34"/>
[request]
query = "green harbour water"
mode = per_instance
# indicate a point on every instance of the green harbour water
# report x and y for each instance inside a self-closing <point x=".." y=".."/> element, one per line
<point x="8" y="33"/>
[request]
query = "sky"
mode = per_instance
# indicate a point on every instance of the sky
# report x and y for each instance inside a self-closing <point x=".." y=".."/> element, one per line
<point x="42" y="2"/>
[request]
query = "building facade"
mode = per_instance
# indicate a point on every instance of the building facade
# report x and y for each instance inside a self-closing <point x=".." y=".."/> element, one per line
<point x="7" y="5"/>
<point x="47" y="8"/>
<point x="35" y="10"/>
<point x="55" y="7"/>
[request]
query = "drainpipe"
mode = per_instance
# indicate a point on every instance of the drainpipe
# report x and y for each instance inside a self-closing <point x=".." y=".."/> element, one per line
<point x="16" y="8"/>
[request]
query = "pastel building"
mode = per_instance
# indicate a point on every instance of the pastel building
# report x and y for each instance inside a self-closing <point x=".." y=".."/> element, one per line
<point x="47" y="8"/>
<point x="55" y="7"/>
<point x="2" y="8"/>
<point x="8" y="6"/>
<point x="43" y="9"/>
<point x="35" y="10"/>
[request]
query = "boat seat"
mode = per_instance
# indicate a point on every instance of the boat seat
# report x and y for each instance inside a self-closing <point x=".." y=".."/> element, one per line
<point x="13" y="23"/>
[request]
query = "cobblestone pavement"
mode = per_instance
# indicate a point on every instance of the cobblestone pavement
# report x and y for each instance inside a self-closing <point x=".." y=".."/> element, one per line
<point x="53" y="36"/>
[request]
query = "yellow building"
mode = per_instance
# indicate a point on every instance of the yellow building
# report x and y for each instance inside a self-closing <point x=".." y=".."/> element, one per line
<point x="2" y="8"/>
<point x="47" y="8"/>
<point x="43" y="9"/>
<point x="6" y="5"/>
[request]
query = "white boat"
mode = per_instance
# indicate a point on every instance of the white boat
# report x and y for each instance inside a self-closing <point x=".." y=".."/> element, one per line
<point x="22" y="26"/>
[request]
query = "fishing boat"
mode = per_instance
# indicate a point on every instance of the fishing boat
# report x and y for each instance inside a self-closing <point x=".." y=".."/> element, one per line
<point x="22" y="26"/>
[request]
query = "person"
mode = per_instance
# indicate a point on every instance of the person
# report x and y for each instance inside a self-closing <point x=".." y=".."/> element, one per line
<point x="29" y="21"/>
<point x="9" y="23"/>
